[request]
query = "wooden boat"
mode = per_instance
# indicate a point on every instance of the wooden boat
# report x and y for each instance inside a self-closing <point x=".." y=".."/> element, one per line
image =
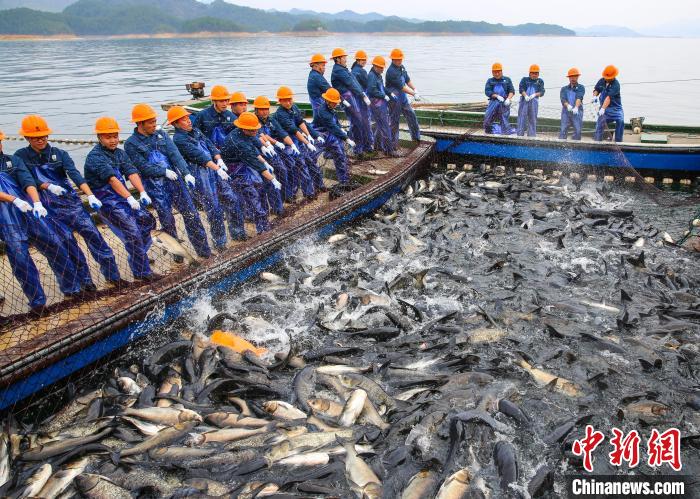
<point x="35" y="354"/>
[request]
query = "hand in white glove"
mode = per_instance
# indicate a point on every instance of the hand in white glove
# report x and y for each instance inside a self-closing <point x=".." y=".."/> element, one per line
<point x="222" y="174"/>
<point x="189" y="180"/>
<point x="133" y="203"/>
<point x="280" y="145"/>
<point x="266" y="151"/>
<point x="269" y="168"/>
<point x="145" y="198"/>
<point x="220" y="163"/>
<point x="346" y="103"/>
<point x="350" y="142"/>
<point x="56" y="189"/>
<point x="575" y="110"/>
<point x="499" y="98"/>
<point x="272" y="150"/>
<point x="366" y="99"/>
<point x="393" y="95"/>
<point x="506" y="102"/>
<point x="171" y="175"/>
<point x="601" y="112"/>
<point x="39" y="210"/>
<point x="417" y="96"/>
<point x="276" y="184"/>
<point x="95" y="203"/>
<point x="569" y="108"/>
<point x="311" y="147"/>
<point x="387" y="98"/>
<point x="596" y="99"/>
<point x="310" y="139"/>
<point x="320" y="140"/>
<point x="295" y="150"/>
<point x="22" y="205"/>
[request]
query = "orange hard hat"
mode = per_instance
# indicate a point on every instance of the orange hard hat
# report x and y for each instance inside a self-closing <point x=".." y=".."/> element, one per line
<point x="2" y="135"/>
<point x="573" y="72"/>
<point x="106" y="124"/>
<point x="247" y="121"/>
<point x="610" y="72"/>
<point x="338" y="53"/>
<point x="534" y="68"/>
<point x="332" y="95"/>
<point x="175" y="113"/>
<point x="238" y="97"/>
<point x="219" y="92"/>
<point x="34" y="126"/>
<point x="497" y="66"/>
<point x="261" y="102"/>
<point x="142" y="112"/>
<point x="379" y="61"/>
<point x="284" y="93"/>
<point x="396" y="54"/>
<point x="361" y="54"/>
<point x="317" y="58"/>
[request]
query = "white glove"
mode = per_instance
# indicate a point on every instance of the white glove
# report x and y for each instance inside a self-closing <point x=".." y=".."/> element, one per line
<point x="601" y="112"/>
<point x="171" y="175"/>
<point x="280" y="145"/>
<point x="39" y="210"/>
<point x="310" y="139"/>
<point x="295" y="149"/>
<point x="366" y="99"/>
<point x="311" y="147"/>
<point x="269" y="168"/>
<point x="346" y="103"/>
<point x="95" y="203"/>
<point x="320" y="140"/>
<point x="596" y="99"/>
<point x="22" y="205"/>
<point x="220" y="163"/>
<point x="387" y="98"/>
<point x="266" y="151"/>
<point x="506" y="102"/>
<point x="575" y="110"/>
<point x="417" y="96"/>
<point x="393" y="95"/>
<point x="350" y="142"/>
<point x="499" y="98"/>
<point x="276" y="184"/>
<point x="189" y="180"/>
<point x="271" y="150"/>
<point x="145" y="198"/>
<point x="569" y="108"/>
<point x="222" y="174"/>
<point x="133" y="203"/>
<point x="56" y="189"/>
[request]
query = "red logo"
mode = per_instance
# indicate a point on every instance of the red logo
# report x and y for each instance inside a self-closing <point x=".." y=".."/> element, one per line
<point x="625" y="449"/>
<point x="665" y="448"/>
<point x="587" y="445"/>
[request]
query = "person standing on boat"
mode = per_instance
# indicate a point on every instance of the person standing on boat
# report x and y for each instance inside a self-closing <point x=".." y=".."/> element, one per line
<point x="22" y="221"/>
<point x="499" y="89"/>
<point x="204" y="160"/>
<point x="571" y="96"/>
<point x="317" y="83"/>
<point x="216" y="121"/>
<point x="106" y="168"/>
<point x="326" y="122"/>
<point x="358" y="71"/>
<point x="51" y="168"/>
<point x="399" y="85"/>
<point x="607" y="92"/>
<point x="272" y="134"/>
<point x="531" y="89"/>
<point x="379" y="107"/>
<point x="248" y="169"/>
<point x="165" y="176"/>
<point x="306" y="173"/>
<point x="352" y="93"/>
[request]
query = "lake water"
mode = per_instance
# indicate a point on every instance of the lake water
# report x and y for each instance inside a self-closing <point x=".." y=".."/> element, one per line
<point x="71" y="83"/>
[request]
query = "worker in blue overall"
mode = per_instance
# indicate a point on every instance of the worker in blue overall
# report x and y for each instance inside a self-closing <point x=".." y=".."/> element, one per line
<point x="165" y="176"/>
<point x="51" y="168"/>
<point x="273" y="135"/>
<point x="499" y="89"/>
<point x="305" y="173"/>
<point x="352" y="93"/>
<point x="379" y="107"/>
<point x="22" y="221"/>
<point x="531" y="88"/>
<point x="204" y="161"/>
<point x="358" y="71"/>
<point x="607" y="92"/>
<point x="106" y="169"/>
<point x="326" y="123"/>
<point x="571" y="97"/>
<point x="316" y="84"/>
<point x="216" y="121"/>
<point x="248" y="169"/>
<point x="399" y="86"/>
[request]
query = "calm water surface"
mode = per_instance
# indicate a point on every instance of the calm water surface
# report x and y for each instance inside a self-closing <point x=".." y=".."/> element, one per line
<point x="73" y="82"/>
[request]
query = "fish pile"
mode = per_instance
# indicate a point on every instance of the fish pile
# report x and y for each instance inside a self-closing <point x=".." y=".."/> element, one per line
<point x="453" y="345"/>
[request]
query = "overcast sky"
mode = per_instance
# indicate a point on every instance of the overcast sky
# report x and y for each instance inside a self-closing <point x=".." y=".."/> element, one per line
<point x="634" y="14"/>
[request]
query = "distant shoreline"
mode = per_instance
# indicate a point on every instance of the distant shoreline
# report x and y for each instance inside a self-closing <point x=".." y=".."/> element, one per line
<point x="244" y="34"/>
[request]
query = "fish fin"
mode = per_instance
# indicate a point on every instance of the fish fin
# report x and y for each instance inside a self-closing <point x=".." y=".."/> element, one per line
<point x="552" y="384"/>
